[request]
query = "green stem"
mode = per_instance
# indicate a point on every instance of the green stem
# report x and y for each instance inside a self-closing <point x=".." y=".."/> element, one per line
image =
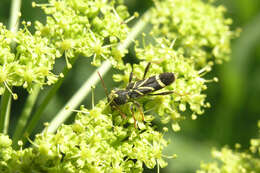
<point x="74" y="102"/>
<point x="5" y="111"/>
<point x="15" y="15"/>
<point x="38" y="113"/>
<point x="7" y="118"/>
<point x="93" y="98"/>
<point x="6" y="97"/>
<point x="27" y="109"/>
<point x="63" y="114"/>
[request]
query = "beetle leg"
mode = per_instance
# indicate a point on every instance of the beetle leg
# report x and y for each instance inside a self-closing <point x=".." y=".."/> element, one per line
<point x="130" y="77"/>
<point x="162" y="93"/>
<point x="119" y="110"/>
<point x="132" y="110"/>
<point x="168" y="92"/>
<point x="146" y="69"/>
<point x="140" y="109"/>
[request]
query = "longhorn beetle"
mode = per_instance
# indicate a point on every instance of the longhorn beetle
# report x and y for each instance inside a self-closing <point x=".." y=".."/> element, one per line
<point x="138" y="89"/>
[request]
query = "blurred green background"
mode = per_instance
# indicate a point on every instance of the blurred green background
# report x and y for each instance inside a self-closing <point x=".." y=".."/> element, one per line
<point x="235" y="99"/>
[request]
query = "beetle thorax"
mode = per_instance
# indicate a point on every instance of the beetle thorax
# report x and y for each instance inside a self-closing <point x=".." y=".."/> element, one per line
<point x="119" y="97"/>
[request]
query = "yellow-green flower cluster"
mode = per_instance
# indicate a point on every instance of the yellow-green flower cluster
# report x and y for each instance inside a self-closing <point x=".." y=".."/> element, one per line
<point x="187" y="87"/>
<point x="231" y="162"/>
<point x="91" y="28"/>
<point x="101" y="140"/>
<point x="235" y="161"/>
<point x="201" y="31"/>
<point x="73" y="27"/>
<point x="255" y="144"/>
<point x="199" y="36"/>
<point x="6" y="153"/>
<point x="31" y="63"/>
<point x="92" y="144"/>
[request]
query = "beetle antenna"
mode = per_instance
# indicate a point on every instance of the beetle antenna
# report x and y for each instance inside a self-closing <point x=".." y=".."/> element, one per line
<point x="104" y="86"/>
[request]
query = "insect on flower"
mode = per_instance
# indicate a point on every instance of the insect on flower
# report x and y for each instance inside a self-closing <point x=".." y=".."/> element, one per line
<point x="135" y="90"/>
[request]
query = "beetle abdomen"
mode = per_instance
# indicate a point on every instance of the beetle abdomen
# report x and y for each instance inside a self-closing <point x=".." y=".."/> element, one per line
<point x="167" y="78"/>
<point x="151" y="84"/>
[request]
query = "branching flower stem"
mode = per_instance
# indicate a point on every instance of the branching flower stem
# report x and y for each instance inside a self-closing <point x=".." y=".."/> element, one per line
<point x="74" y="102"/>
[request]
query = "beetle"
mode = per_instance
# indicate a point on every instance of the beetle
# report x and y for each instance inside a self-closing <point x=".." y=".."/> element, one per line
<point x="137" y="89"/>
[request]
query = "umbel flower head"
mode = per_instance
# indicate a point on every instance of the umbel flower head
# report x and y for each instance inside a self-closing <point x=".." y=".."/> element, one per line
<point x="201" y="31"/>
<point x="90" y="28"/>
<point x="73" y="27"/>
<point x="31" y="64"/>
<point x="234" y="161"/>
<point x="91" y="144"/>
